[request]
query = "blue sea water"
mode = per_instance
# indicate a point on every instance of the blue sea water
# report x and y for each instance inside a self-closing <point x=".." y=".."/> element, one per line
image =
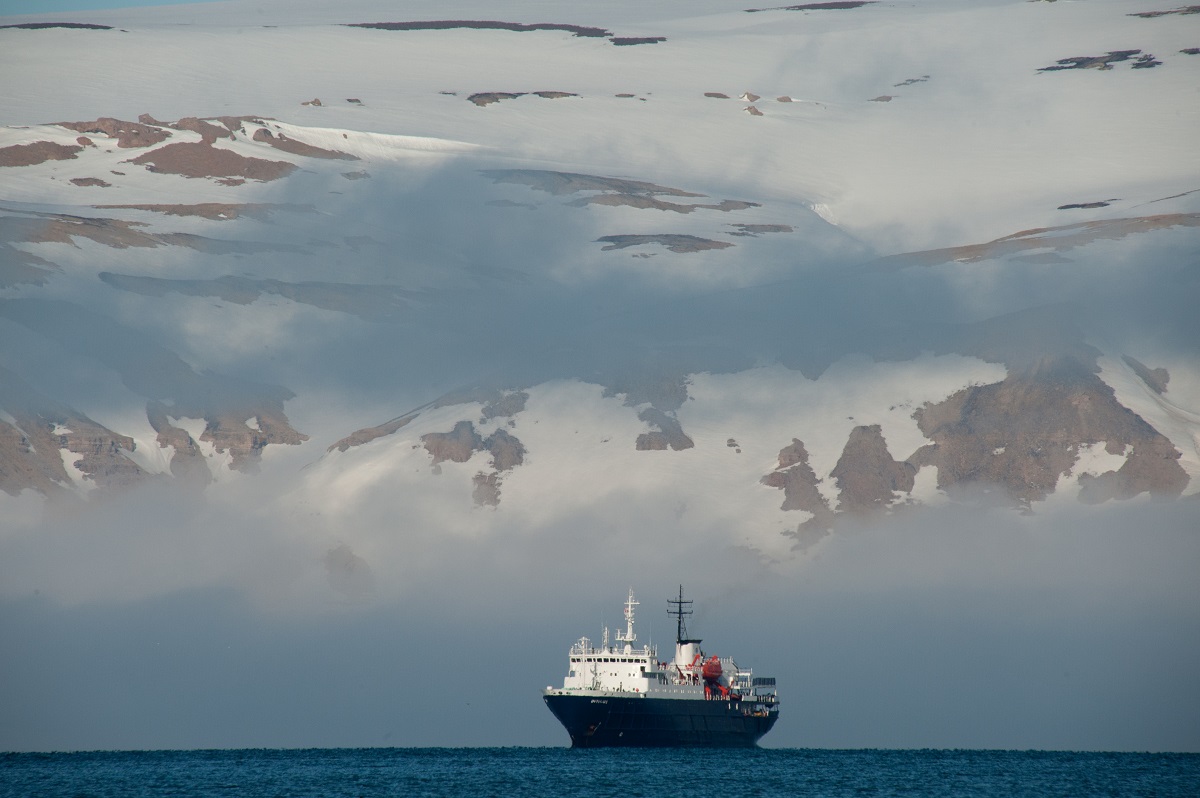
<point x="553" y="772"/>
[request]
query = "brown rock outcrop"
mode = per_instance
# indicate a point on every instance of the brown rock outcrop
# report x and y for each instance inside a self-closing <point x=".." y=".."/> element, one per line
<point x="285" y="144"/>
<point x="129" y="135"/>
<point x="463" y="441"/>
<point x="867" y="476"/>
<point x="1156" y="379"/>
<point x="201" y="159"/>
<point x="668" y="435"/>
<point x="1025" y="432"/>
<point x="37" y="152"/>
<point x="795" y="477"/>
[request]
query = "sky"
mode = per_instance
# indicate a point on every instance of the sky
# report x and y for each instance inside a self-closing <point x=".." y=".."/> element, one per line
<point x="363" y="599"/>
<point x="15" y="7"/>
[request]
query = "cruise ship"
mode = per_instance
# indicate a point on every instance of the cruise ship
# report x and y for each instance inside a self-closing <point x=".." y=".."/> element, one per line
<point x="617" y="694"/>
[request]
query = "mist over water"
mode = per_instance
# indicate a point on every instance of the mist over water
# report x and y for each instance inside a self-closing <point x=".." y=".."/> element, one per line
<point x="953" y="627"/>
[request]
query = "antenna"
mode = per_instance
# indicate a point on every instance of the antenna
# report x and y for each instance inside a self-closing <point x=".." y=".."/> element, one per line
<point x="679" y="612"/>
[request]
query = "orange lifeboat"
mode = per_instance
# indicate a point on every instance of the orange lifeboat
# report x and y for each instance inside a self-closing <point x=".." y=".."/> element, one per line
<point x="711" y="670"/>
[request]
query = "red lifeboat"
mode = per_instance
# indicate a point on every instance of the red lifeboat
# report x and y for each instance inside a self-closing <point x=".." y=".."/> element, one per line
<point x="711" y="669"/>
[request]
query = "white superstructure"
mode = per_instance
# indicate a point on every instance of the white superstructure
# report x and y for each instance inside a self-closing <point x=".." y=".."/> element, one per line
<point x="621" y="668"/>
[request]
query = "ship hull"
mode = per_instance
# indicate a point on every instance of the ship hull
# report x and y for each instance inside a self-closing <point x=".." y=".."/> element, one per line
<point x="612" y="721"/>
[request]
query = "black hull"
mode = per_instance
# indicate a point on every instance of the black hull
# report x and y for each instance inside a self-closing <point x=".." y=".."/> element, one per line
<point x="600" y="722"/>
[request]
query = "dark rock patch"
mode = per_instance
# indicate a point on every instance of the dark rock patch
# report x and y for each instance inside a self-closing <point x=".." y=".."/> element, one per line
<point x="675" y="242"/>
<point x="716" y="95"/>
<point x="1184" y="10"/>
<point x="472" y="24"/>
<point x="368" y="434"/>
<point x="90" y="181"/>
<point x="668" y="435"/>
<point x="1103" y="62"/>
<point x="832" y="6"/>
<point x="759" y="229"/>
<point x="1086" y="205"/>
<point x="1191" y="51"/>
<point x="866" y="474"/>
<point x="199" y="159"/>
<point x="1025" y="432"/>
<point x="37" y="152"/>
<point x="48" y="25"/>
<point x="485" y="98"/>
<point x="1059" y="239"/>
<point x="293" y="147"/>
<point x="1157" y="379"/>
<point x="795" y="477"/>
<point x="129" y="135"/>
<point x="625" y="41"/>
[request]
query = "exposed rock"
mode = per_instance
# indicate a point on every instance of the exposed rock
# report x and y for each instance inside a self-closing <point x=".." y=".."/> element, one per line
<point x="216" y="211"/>
<point x="90" y="181"/>
<point x="1157" y="379"/>
<point x="129" y="135"/>
<point x="1085" y="205"/>
<point x="716" y="95"/>
<point x="867" y="476"/>
<point x="229" y="432"/>
<point x="199" y="159"/>
<point x="463" y="441"/>
<point x="282" y="142"/>
<point x="625" y="41"/>
<point x="883" y="98"/>
<point x="36" y="153"/>
<point x="506" y="405"/>
<point x="1059" y="239"/>
<point x="1102" y="62"/>
<point x="368" y="434"/>
<point x="1025" y="432"/>
<point x="758" y="229"/>
<point x="48" y="25"/>
<point x="795" y="477"/>
<point x="31" y="449"/>
<point x="208" y="131"/>
<point x="187" y="463"/>
<point x="361" y="174"/>
<point x="1183" y="10"/>
<point x="750" y="109"/>
<point x="314" y="101"/>
<point x="473" y="24"/>
<point x="668" y="435"/>
<point x="456" y="446"/>
<point x="648" y="202"/>
<point x="665" y="390"/>
<point x="571" y="183"/>
<point x="487" y="489"/>
<point x="836" y="5"/>
<point x="507" y="451"/>
<point x="485" y="98"/>
<point x="488" y="97"/>
<point x="675" y="242"/>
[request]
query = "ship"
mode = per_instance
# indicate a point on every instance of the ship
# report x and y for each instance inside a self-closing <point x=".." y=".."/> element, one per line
<point x="620" y="695"/>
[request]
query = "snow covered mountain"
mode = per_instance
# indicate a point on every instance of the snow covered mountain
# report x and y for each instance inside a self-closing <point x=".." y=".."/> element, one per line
<point x="764" y="269"/>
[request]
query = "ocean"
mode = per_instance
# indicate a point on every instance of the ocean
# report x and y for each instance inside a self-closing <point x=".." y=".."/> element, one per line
<point x="552" y="772"/>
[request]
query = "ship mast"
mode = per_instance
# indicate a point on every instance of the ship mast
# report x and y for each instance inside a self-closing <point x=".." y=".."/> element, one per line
<point x="627" y="637"/>
<point x="678" y="613"/>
